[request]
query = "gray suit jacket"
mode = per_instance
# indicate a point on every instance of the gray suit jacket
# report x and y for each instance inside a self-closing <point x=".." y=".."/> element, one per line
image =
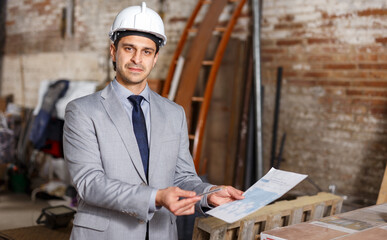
<point x="105" y="166"/>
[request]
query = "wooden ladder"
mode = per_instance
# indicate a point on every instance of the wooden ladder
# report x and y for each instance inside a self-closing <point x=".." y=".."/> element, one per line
<point x="194" y="61"/>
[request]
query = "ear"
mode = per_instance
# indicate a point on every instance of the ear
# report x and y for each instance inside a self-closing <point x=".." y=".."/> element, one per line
<point x="113" y="52"/>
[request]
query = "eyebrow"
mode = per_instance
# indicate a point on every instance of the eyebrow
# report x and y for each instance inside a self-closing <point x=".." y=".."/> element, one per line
<point x="134" y="46"/>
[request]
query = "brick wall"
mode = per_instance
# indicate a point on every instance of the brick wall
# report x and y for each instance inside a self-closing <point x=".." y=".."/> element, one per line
<point x="36" y="50"/>
<point x="333" y="53"/>
<point x="334" y="96"/>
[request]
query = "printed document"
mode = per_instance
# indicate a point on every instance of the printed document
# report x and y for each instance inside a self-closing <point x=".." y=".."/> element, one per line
<point x="269" y="188"/>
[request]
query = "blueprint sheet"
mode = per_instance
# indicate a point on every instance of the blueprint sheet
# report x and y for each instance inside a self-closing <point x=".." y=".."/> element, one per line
<point x="270" y="187"/>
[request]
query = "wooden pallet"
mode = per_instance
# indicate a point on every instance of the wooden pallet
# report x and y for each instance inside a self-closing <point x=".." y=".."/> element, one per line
<point x="279" y="214"/>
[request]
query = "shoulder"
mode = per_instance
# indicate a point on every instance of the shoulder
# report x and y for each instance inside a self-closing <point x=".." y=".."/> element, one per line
<point x="85" y="102"/>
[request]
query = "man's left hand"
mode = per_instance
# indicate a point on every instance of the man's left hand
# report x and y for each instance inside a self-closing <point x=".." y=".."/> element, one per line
<point x="227" y="194"/>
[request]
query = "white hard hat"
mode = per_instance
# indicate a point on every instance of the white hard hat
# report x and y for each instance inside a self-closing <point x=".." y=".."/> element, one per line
<point x="140" y="19"/>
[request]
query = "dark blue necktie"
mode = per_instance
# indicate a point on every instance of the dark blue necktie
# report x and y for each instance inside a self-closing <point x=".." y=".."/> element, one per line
<point x="139" y="127"/>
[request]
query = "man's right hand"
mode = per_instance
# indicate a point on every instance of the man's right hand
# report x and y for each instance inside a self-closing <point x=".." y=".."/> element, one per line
<point x="177" y="201"/>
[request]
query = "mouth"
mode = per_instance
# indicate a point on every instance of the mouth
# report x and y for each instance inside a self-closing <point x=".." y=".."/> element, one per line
<point x="136" y="69"/>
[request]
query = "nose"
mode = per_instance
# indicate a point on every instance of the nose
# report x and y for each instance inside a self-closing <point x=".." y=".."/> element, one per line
<point x="136" y="58"/>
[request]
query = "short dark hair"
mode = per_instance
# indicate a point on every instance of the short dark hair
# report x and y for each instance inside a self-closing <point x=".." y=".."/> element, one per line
<point x="118" y="35"/>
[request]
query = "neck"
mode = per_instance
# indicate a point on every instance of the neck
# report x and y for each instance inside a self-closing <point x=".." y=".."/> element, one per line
<point x="135" y="88"/>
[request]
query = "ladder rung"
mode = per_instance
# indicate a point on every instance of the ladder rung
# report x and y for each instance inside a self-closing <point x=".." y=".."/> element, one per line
<point x="204" y="63"/>
<point x="207" y="63"/>
<point x="220" y="29"/>
<point x="197" y="99"/>
<point x="217" y="29"/>
<point x="209" y="1"/>
<point x="191" y="137"/>
<point x="193" y="30"/>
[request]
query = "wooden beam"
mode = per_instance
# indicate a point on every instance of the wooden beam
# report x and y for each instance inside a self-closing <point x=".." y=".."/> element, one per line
<point x="382" y="198"/>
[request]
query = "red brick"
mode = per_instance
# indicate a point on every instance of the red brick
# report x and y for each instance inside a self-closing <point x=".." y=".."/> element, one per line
<point x="266" y="58"/>
<point x="289" y="42"/>
<point x="12" y="11"/>
<point x="370" y="93"/>
<point x="288" y="26"/>
<point x="286" y="18"/>
<point x="289" y="58"/>
<point x="267" y="43"/>
<point x="378" y="111"/>
<point x="289" y="73"/>
<point x="272" y="50"/>
<point x="10" y="23"/>
<point x="301" y="83"/>
<point x="349" y="74"/>
<point x="320" y="40"/>
<point x="340" y="66"/>
<point x="382" y="57"/>
<point x="333" y="83"/>
<point x="40" y="6"/>
<point x="325" y="15"/>
<point x="381" y="40"/>
<point x="343" y="57"/>
<point x="370" y="102"/>
<point x="316" y="74"/>
<point x="367" y="57"/>
<point x="372" y="12"/>
<point x="369" y="84"/>
<point x="378" y="74"/>
<point x="372" y="48"/>
<point x="373" y="66"/>
<point x="340" y="49"/>
<point x="320" y="58"/>
<point x="359" y="109"/>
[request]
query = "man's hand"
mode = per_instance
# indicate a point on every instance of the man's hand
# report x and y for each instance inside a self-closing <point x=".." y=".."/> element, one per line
<point x="227" y="194"/>
<point x="170" y="198"/>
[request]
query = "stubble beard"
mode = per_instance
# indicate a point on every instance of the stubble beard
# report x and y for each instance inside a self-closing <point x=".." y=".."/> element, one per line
<point x="125" y="76"/>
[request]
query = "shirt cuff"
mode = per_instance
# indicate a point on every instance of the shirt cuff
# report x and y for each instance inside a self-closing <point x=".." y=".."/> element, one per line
<point x="203" y="202"/>
<point x="152" y="202"/>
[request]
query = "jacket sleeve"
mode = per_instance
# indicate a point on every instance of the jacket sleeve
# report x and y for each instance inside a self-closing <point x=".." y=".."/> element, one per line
<point x="185" y="175"/>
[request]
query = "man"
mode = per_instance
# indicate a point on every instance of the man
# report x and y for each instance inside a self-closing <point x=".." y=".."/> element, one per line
<point x="127" y="148"/>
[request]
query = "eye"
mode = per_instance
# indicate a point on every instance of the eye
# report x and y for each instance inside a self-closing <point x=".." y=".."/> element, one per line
<point x="128" y="48"/>
<point x="147" y="52"/>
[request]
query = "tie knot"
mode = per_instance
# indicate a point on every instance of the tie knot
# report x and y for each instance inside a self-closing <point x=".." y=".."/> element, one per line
<point x="135" y="99"/>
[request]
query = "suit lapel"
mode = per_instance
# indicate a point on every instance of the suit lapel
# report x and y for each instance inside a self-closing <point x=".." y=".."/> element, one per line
<point x="119" y="117"/>
<point x="157" y="117"/>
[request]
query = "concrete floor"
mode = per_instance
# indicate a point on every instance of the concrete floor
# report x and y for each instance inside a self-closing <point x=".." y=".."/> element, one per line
<point x="18" y="210"/>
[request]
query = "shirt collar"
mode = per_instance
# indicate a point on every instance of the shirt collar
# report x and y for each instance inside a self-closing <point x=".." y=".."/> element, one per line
<point x="123" y="93"/>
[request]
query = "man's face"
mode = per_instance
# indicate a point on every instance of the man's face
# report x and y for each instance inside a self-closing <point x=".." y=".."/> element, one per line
<point x="135" y="58"/>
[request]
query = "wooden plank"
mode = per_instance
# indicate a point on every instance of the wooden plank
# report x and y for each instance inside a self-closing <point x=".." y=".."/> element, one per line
<point x="274" y="221"/>
<point x="382" y="197"/>
<point x="318" y="211"/>
<point x="296" y="216"/>
<point x="198" y="234"/>
<point x="196" y="56"/>
<point x="219" y="234"/>
<point x="337" y="208"/>
<point x="180" y="47"/>
<point x="246" y="230"/>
